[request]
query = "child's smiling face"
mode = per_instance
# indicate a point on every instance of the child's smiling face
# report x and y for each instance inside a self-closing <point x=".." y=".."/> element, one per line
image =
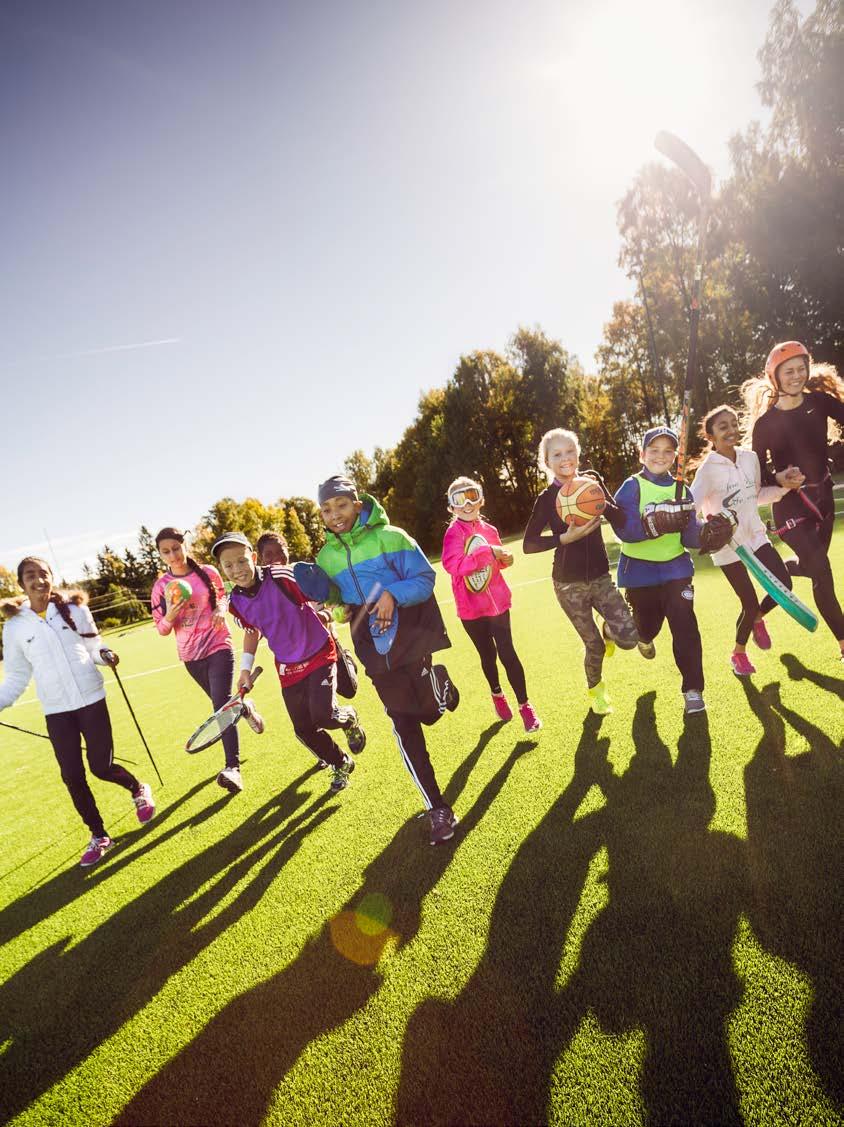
<point x="658" y="456"/>
<point x="237" y="563"/>
<point x="340" y="513"/>
<point x="561" y="458"/>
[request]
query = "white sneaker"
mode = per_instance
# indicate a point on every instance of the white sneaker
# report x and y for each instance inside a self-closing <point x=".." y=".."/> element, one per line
<point x="230" y="780"/>
<point x="252" y="716"/>
<point x="694" y="701"/>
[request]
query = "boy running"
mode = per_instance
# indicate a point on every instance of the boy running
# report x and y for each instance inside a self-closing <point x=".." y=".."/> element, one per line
<point x="383" y="577"/>
<point x="654" y="567"/>
<point x="268" y="602"/>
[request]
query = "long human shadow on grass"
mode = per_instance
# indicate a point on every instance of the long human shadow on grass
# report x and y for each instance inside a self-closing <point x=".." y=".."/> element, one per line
<point x="45" y="898"/>
<point x="795" y="830"/>
<point x="797" y="671"/>
<point x="64" y="1003"/>
<point x="656" y="958"/>
<point x="229" y="1072"/>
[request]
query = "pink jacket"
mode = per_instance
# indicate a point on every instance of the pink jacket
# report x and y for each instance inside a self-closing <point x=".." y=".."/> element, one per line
<point x="196" y="636"/>
<point x="496" y="598"/>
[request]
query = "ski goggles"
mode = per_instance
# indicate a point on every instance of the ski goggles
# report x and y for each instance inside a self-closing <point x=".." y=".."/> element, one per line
<point x="467" y="496"/>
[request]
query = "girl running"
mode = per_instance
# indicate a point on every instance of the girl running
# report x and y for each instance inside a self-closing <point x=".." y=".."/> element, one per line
<point x="203" y="640"/>
<point x="725" y="468"/>
<point x="483" y="598"/>
<point x="788" y="418"/>
<point x="58" y="643"/>
<point x="581" y="572"/>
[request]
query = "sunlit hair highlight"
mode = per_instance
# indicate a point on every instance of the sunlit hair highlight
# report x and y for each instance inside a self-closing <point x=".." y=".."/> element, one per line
<point x="545" y="442"/>
<point x="760" y="395"/>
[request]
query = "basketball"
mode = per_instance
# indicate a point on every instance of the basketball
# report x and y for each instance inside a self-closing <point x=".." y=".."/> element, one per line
<point x="178" y="591"/>
<point x="579" y="500"/>
<point x="478" y="581"/>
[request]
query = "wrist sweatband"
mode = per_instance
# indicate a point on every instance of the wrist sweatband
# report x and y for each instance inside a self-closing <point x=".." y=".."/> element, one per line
<point x="246" y="661"/>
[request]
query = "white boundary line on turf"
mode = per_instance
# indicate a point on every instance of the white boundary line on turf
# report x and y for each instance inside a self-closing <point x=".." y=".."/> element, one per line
<point x="125" y="677"/>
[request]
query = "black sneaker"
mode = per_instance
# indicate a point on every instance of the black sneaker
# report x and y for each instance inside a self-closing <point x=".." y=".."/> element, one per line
<point x="446" y="689"/>
<point x="443" y="820"/>
<point x="340" y="775"/>
<point x="355" y="735"/>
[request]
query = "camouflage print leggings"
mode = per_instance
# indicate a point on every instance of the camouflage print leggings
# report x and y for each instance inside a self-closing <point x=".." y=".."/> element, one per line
<point x="579" y="600"/>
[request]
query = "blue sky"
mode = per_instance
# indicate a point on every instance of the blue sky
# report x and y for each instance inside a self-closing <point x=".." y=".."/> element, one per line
<point x="241" y="238"/>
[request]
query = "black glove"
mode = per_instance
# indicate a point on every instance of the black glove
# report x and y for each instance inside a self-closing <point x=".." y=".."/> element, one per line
<point x="660" y="517"/>
<point x="716" y="533"/>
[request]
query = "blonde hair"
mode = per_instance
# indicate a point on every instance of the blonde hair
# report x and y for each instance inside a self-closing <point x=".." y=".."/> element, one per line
<point x="760" y="395"/>
<point x="462" y="482"/>
<point x="545" y="442"/>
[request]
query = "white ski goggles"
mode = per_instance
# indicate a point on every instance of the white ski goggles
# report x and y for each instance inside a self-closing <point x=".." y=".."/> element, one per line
<point x="468" y="496"/>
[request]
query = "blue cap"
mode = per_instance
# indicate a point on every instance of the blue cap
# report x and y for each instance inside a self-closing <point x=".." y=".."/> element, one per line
<point x="656" y="432"/>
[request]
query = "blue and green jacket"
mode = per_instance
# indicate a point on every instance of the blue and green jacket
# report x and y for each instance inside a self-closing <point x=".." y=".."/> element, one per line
<point x="355" y="567"/>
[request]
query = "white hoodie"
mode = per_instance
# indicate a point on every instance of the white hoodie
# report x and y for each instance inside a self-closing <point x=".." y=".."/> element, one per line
<point x="63" y="662"/>
<point x="716" y="477"/>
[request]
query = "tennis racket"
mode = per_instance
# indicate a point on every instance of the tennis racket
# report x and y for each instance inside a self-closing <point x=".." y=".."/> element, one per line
<point x="224" y="718"/>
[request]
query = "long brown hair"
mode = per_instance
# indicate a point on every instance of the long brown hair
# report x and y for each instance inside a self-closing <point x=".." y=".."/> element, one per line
<point x="760" y="394"/>
<point x="55" y="597"/>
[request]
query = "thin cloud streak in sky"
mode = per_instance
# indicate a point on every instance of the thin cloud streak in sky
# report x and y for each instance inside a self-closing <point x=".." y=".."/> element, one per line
<point x="93" y="352"/>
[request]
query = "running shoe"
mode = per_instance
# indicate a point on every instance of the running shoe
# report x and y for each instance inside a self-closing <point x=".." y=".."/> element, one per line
<point x="355" y="735"/>
<point x="443" y="821"/>
<point x="252" y="716"/>
<point x="599" y="699"/>
<point x="230" y="780"/>
<point x="760" y="634"/>
<point x="694" y="701"/>
<point x="340" y="775"/>
<point x="97" y="849"/>
<point x="502" y="707"/>
<point x="144" y="805"/>
<point x="742" y="665"/>
<point x="530" y="720"/>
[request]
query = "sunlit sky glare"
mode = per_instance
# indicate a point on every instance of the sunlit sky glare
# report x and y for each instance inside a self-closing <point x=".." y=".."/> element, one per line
<point x="240" y="238"/>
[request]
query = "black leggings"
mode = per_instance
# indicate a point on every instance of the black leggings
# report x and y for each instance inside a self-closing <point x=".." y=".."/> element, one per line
<point x="739" y="579"/>
<point x="674" y="601"/>
<point x="491" y="637"/>
<point x="810" y="541"/>
<point x="66" y="730"/>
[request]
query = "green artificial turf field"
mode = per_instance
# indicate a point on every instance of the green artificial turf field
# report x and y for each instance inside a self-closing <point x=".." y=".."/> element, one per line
<point x="639" y="921"/>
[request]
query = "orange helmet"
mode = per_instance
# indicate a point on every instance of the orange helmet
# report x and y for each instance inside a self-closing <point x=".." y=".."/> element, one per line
<point x="782" y="352"/>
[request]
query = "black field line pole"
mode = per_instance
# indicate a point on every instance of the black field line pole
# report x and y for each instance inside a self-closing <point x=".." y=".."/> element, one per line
<point x="137" y="725"/>
<point x="693" y="167"/>
<point x="26" y="731"/>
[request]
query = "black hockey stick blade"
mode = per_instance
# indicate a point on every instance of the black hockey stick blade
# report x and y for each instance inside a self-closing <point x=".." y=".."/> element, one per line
<point x="687" y="161"/>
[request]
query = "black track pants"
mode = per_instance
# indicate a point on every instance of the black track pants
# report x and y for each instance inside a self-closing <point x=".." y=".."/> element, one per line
<point x="214" y="676"/>
<point x="312" y="707"/>
<point x="674" y="601"/>
<point x="811" y="543"/>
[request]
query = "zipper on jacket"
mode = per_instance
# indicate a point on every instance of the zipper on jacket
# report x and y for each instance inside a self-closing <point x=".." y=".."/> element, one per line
<point x="363" y="601"/>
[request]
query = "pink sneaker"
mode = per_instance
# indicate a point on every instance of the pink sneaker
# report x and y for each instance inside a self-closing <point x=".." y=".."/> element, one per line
<point x="742" y="665"/>
<point x="144" y="805"/>
<point x="530" y="720"/>
<point x="760" y="634"/>
<point x="97" y="849"/>
<point x="502" y="707"/>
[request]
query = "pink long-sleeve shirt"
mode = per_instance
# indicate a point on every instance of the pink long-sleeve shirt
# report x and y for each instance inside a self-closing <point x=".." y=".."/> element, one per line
<point x="196" y="635"/>
<point x="470" y="604"/>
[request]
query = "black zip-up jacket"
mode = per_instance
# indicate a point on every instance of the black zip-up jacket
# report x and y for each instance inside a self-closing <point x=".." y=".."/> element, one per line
<point x="580" y="562"/>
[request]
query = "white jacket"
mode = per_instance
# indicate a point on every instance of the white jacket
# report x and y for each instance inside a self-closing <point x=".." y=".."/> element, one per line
<point x="718" y="476"/>
<point x="63" y="662"/>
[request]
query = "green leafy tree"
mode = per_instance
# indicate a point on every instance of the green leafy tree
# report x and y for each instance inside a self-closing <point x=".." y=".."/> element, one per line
<point x="8" y="583"/>
<point x="297" y="539"/>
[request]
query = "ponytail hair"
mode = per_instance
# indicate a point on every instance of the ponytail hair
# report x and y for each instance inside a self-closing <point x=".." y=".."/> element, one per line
<point x="203" y="575"/>
<point x="56" y="598"/>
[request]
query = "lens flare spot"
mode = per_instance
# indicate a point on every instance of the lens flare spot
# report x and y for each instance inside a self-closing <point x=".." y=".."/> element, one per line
<point x="362" y="935"/>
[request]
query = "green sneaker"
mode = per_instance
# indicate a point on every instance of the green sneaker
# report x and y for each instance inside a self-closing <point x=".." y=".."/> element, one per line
<point x="599" y="700"/>
<point x="340" y="775"/>
<point x="609" y="640"/>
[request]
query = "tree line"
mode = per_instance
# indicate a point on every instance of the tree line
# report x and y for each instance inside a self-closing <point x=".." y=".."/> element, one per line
<point x="772" y="272"/>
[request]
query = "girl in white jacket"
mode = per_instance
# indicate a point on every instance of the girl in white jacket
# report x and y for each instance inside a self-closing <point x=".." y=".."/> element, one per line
<point x="58" y="643"/>
<point x="725" y="468"/>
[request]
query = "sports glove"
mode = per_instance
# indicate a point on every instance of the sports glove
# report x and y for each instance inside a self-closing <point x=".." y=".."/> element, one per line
<point x="716" y="533"/>
<point x="660" y="517"/>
